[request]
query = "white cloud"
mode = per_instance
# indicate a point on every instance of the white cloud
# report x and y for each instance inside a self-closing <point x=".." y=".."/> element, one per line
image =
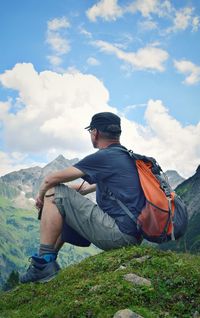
<point x="83" y="31"/>
<point x="190" y="69"/>
<point x="106" y="9"/>
<point x="57" y="41"/>
<point x="165" y="8"/>
<point x="58" y="107"/>
<point x="58" y="23"/>
<point x="92" y="61"/>
<point x="54" y="60"/>
<point x="7" y="163"/>
<point x="15" y="161"/>
<point x="110" y="9"/>
<point x="195" y="23"/>
<point x="150" y="58"/>
<point x="147" y="25"/>
<point x="164" y="138"/>
<point x="182" y="19"/>
<point x="145" y="7"/>
<point x="4" y="108"/>
<point x="129" y="108"/>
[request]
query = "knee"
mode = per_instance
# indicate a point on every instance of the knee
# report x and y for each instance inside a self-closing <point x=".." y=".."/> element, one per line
<point x="50" y="192"/>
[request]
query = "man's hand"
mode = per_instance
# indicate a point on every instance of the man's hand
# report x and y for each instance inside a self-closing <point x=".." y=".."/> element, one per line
<point x="66" y="175"/>
<point x="39" y="203"/>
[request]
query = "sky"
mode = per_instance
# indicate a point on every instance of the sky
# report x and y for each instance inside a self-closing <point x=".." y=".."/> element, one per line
<point x="62" y="61"/>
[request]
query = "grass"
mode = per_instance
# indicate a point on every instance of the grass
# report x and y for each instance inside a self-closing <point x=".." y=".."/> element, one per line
<point x="93" y="288"/>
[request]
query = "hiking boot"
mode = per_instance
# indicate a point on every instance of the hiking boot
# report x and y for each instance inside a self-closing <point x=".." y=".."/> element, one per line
<point x="40" y="271"/>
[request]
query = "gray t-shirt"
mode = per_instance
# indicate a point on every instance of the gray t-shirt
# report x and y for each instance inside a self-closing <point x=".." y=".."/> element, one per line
<point x="114" y="170"/>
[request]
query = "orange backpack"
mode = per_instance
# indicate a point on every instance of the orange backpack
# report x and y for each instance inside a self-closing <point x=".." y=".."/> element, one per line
<point x="164" y="216"/>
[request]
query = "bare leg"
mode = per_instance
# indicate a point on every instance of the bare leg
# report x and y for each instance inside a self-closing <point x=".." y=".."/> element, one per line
<point x="59" y="244"/>
<point x="51" y="223"/>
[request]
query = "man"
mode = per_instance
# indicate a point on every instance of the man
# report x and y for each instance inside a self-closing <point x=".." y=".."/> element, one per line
<point x="67" y="216"/>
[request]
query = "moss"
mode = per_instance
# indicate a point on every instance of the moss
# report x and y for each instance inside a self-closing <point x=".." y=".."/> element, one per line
<point x="175" y="290"/>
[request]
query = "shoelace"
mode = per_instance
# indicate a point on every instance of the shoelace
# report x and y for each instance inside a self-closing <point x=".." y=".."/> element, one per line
<point x="31" y="266"/>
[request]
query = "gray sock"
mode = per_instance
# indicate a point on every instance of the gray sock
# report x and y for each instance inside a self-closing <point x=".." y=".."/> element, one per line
<point x="46" y="249"/>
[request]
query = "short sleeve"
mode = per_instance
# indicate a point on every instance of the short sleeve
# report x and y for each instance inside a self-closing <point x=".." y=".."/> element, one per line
<point x="95" y="167"/>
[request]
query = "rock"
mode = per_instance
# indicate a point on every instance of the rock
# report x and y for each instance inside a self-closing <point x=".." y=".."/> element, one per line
<point x="142" y="259"/>
<point x="137" y="280"/>
<point x="95" y="288"/>
<point x="126" y="313"/>
<point x="196" y="315"/>
<point x="122" y="267"/>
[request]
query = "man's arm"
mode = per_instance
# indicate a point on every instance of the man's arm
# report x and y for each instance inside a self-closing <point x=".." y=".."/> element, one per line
<point x="85" y="188"/>
<point x="66" y="175"/>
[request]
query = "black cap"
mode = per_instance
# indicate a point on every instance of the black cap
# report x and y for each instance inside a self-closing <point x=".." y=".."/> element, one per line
<point x="105" y="121"/>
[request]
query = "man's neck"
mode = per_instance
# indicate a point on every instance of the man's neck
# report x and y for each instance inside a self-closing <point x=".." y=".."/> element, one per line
<point x="104" y="144"/>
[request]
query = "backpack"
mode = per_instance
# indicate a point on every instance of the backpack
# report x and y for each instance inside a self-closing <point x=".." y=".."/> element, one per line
<point x="164" y="216"/>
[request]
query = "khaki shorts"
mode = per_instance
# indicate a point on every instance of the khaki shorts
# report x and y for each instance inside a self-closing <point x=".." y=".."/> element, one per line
<point x="89" y="221"/>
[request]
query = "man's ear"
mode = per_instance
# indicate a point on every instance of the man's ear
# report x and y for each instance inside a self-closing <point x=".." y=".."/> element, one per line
<point x="95" y="133"/>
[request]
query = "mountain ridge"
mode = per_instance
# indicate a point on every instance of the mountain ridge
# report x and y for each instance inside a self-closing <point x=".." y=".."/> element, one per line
<point x="29" y="180"/>
<point x="174" y="178"/>
<point x="189" y="191"/>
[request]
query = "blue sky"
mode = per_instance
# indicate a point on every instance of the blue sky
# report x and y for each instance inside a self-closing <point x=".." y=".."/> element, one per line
<point x="62" y="61"/>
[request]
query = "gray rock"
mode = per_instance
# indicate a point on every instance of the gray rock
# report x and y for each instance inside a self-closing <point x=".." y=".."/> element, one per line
<point x="122" y="267"/>
<point x="196" y="315"/>
<point x="126" y="313"/>
<point x="137" y="280"/>
<point x="142" y="259"/>
<point x="95" y="288"/>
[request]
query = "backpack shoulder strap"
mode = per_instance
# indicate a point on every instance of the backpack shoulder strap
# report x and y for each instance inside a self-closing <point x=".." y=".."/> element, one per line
<point x="112" y="196"/>
<point x="122" y="205"/>
<point x="156" y="169"/>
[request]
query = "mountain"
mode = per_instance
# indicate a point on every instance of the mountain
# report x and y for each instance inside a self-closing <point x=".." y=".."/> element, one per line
<point x="28" y="180"/>
<point x="141" y="281"/>
<point x="174" y="178"/>
<point x="189" y="191"/>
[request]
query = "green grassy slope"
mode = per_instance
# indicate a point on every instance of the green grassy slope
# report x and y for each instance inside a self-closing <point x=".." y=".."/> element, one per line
<point x="18" y="227"/>
<point x="95" y="288"/>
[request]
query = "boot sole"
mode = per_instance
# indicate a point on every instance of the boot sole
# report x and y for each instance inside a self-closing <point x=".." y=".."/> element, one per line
<point x="46" y="279"/>
<point x="42" y="280"/>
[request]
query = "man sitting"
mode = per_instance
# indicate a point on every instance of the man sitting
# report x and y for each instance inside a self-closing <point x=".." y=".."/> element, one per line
<point x="67" y="216"/>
